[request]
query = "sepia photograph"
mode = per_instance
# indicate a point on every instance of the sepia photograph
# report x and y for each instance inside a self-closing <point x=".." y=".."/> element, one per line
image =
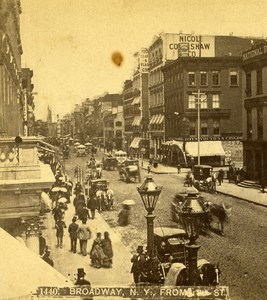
<point x="133" y="149"/>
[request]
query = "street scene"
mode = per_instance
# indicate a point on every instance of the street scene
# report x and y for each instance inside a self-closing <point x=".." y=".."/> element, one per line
<point x="133" y="158"/>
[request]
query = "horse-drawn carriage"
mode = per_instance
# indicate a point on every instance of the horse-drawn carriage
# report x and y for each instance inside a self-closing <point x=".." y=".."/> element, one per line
<point x="169" y="267"/>
<point x="201" y="177"/>
<point x="98" y="190"/>
<point x="129" y="171"/>
<point x="217" y="214"/>
<point x="109" y="162"/>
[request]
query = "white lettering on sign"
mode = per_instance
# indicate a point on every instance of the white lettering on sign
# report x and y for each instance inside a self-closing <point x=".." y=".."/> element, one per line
<point x="142" y="61"/>
<point x="183" y="45"/>
<point x="255" y="52"/>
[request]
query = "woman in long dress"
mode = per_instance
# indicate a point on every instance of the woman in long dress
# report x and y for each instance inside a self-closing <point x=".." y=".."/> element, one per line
<point x="107" y="249"/>
<point x="97" y="254"/>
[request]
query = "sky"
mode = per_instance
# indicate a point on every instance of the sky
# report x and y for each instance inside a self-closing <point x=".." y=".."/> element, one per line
<point x="69" y="43"/>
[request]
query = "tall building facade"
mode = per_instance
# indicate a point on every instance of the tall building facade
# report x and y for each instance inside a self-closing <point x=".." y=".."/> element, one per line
<point x="139" y="145"/>
<point x="128" y="113"/>
<point x="255" y="112"/>
<point x="11" y="98"/>
<point x="213" y="68"/>
<point x="28" y="98"/>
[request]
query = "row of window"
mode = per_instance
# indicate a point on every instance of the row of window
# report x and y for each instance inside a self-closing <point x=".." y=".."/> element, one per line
<point x="9" y="89"/>
<point x="172" y="125"/>
<point x="203" y="103"/>
<point x="214" y="77"/>
<point x="155" y="77"/>
<point x="156" y="98"/>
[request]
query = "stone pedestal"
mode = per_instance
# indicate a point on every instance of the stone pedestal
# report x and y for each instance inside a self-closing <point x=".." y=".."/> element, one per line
<point x="22" y="179"/>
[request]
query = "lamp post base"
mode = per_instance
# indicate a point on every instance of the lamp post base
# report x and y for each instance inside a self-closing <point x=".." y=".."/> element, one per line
<point x="150" y="234"/>
<point x="192" y="264"/>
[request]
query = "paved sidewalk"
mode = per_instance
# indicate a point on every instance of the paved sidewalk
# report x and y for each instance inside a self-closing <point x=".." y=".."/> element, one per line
<point x="231" y="189"/>
<point x="67" y="262"/>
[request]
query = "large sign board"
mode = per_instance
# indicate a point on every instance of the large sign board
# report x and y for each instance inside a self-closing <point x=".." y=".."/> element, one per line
<point x="188" y="45"/>
<point x="256" y="52"/>
<point x="141" y="63"/>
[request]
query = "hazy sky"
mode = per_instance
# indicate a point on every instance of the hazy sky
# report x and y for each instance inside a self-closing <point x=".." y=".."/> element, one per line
<point x="68" y="43"/>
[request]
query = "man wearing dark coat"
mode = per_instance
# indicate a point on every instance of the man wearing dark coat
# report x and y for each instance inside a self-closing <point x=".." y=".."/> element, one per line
<point x="42" y="244"/>
<point x="80" y="280"/>
<point x="73" y="228"/>
<point x="47" y="258"/>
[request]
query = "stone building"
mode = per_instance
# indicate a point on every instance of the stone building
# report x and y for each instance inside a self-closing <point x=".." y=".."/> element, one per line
<point x="255" y="112"/>
<point x="11" y="98"/>
<point x="28" y="98"/>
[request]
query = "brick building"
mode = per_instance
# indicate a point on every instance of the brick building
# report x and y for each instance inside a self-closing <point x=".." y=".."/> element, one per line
<point x="216" y="73"/>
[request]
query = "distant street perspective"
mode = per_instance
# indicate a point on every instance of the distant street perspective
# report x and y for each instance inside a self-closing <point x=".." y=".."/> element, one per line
<point x="133" y="161"/>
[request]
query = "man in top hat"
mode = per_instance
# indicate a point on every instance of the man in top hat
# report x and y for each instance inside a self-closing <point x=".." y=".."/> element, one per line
<point x="139" y="264"/>
<point x="80" y="280"/>
<point x="73" y="228"/>
<point x="47" y="258"/>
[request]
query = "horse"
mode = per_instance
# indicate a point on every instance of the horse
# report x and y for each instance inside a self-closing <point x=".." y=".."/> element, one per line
<point x="219" y="212"/>
<point x="208" y="272"/>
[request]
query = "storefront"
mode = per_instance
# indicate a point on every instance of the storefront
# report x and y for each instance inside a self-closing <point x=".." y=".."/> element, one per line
<point x="211" y="153"/>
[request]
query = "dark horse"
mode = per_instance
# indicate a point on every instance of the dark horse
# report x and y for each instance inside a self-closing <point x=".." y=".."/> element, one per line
<point x="219" y="214"/>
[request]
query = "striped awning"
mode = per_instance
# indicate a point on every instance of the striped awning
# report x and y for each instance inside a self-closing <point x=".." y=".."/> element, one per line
<point x="137" y="121"/>
<point x="152" y="120"/>
<point x="136" y="100"/>
<point x="135" y="142"/>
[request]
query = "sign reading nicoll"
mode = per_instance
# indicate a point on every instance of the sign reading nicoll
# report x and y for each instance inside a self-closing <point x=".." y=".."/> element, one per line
<point x="188" y="45"/>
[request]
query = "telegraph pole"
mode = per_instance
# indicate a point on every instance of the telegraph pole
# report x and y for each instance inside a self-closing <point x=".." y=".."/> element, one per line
<point x="198" y="102"/>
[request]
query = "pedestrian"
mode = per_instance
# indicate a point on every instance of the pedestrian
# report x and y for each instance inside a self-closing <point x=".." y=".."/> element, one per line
<point x="92" y="205"/>
<point x="47" y="258"/>
<point x="84" y="213"/>
<point x="220" y="176"/>
<point x="60" y="225"/>
<point x="179" y="169"/>
<point x="80" y="278"/>
<point x="42" y="244"/>
<point x="97" y="254"/>
<point x="124" y="216"/>
<point x="107" y="249"/>
<point x="73" y="228"/>
<point x="84" y="234"/>
<point x="148" y="169"/>
<point x="79" y="203"/>
<point x="139" y="261"/>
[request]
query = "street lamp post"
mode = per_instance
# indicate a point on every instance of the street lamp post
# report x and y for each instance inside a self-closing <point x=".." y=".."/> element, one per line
<point x="198" y="101"/>
<point x="192" y="214"/>
<point x="149" y="193"/>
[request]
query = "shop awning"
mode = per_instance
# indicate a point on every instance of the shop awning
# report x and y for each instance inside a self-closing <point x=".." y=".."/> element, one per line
<point x="207" y="148"/>
<point x="152" y="120"/>
<point x="24" y="271"/>
<point x="160" y="119"/>
<point x="137" y="121"/>
<point x="136" y="100"/>
<point x="174" y="143"/>
<point x="135" y="142"/>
